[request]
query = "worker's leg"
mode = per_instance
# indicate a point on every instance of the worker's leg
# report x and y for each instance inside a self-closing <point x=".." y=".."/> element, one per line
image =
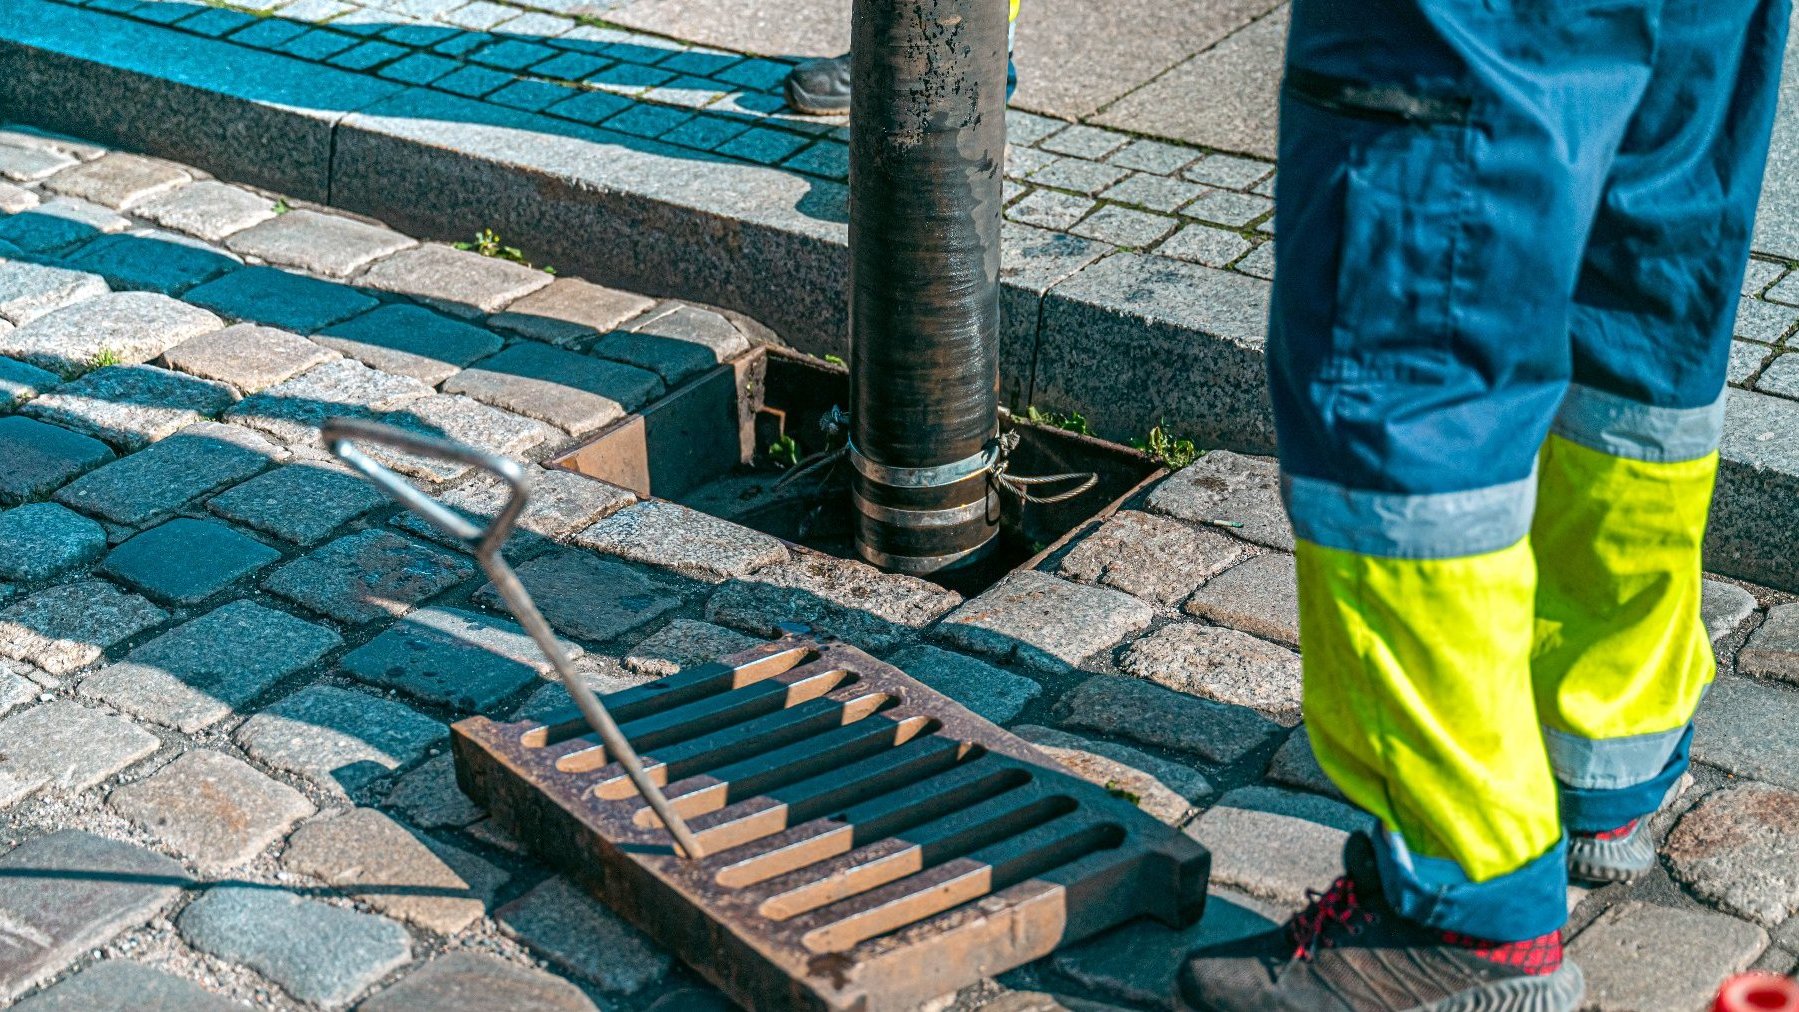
<point x="1626" y="476"/>
<point x="1432" y="213"/>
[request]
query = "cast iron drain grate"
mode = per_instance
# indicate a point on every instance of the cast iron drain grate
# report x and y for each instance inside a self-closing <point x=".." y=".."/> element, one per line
<point x="867" y="842"/>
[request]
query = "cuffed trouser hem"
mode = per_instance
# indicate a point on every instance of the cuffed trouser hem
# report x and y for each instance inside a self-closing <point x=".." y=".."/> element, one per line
<point x="1523" y="904"/>
<point x="1598" y="809"/>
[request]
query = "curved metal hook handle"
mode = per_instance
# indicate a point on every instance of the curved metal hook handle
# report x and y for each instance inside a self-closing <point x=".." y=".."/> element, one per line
<point x="485" y="543"/>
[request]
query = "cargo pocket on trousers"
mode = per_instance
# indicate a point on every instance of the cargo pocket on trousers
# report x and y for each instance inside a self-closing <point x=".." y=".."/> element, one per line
<point x="1406" y="188"/>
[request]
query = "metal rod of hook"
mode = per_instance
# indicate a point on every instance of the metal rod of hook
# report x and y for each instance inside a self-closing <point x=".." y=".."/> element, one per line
<point x="339" y="435"/>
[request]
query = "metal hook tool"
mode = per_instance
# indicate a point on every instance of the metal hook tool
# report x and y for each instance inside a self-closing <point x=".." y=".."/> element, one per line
<point x="485" y="545"/>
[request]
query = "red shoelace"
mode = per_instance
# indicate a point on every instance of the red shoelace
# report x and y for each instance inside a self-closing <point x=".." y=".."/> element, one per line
<point x="1615" y="834"/>
<point x="1335" y="906"/>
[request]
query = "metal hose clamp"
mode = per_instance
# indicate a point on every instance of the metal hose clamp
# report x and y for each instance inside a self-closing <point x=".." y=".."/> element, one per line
<point x="485" y="545"/>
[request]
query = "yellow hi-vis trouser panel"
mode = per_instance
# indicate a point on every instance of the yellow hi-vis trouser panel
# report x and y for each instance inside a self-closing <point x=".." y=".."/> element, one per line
<point x="1429" y="683"/>
<point x="1014" y="16"/>
<point x="1621" y="650"/>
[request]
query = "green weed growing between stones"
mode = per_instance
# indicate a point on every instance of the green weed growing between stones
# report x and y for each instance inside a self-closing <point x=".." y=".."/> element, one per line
<point x="487" y="242"/>
<point x="1170" y="450"/>
<point x="105" y="357"/>
<point x="1073" y="421"/>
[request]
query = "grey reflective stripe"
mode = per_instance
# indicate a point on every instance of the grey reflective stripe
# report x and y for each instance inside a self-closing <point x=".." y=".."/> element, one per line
<point x="1436" y="525"/>
<point x="1635" y="431"/>
<point x="1610" y="763"/>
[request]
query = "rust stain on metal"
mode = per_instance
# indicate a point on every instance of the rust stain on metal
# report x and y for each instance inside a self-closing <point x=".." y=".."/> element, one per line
<point x="869" y="843"/>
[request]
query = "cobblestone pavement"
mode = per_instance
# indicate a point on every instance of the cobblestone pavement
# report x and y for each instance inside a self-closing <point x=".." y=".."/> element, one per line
<point x="226" y="665"/>
<point x="1196" y="187"/>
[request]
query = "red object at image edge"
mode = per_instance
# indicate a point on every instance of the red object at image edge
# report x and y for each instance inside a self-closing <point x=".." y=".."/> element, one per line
<point x="1758" y="992"/>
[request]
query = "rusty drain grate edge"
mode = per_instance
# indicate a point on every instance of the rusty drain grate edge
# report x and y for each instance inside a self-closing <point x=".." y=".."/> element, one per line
<point x="868" y="843"/>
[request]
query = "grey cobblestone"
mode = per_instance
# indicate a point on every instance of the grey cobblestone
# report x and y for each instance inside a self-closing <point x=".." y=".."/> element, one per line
<point x="664" y="534"/>
<point x="559" y="504"/>
<point x="579" y="935"/>
<point x="1744" y="728"/>
<point x="127" y="327"/>
<point x="996" y="694"/>
<point x="65" y="746"/>
<point x="132" y="406"/>
<point x="684" y="643"/>
<point x="1124" y="227"/>
<point x="1164" y="789"/>
<point x="1221" y="664"/>
<point x="1229" y="208"/>
<point x="336" y="738"/>
<point x="26" y="165"/>
<point x="14" y="199"/>
<point x="470" y="982"/>
<point x="410" y="341"/>
<point x="185" y="561"/>
<point x="1295" y="765"/>
<point x="845" y="598"/>
<point x="68" y="626"/>
<point x="69" y="916"/>
<point x="675" y="344"/>
<point x="43" y="540"/>
<point x="1228" y="171"/>
<point x="35" y="458"/>
<point x="212" y="810"/>
<point x="1153" y="156"/>
<point x="572" y="392"/>
<point x="428" y="796"/>
<point x="1202" y="244"/>
<point x="278" y="298"/>
<point x="1259" y="263"/>
<point x="1639" y="956"/>
<point x="1764" y="321"/>
<point x="301" y="503"/>
<point x="317" y="953"/>
<point x="317" y="243"/>
<point x="207" y="209"/>
<point x="151" y="261"/>
<point x="28" y="290"/>
<point x="246" y="356"/>
<point x="21" y="136"/>
<point x="1230" y="488"/>
<point x="1276" y="844"/>
<point x="460" y="420"/>
<point x="293" y="410"/>
<point x="1079" y="175"/>
<point x="570" y="311"/>
<point x="1139" y="962"/>
<point x="1258" y="596"/>
<point x="1781" y="378"/>
<point x="1043" y="622"/>
<point x="456" y="281"/>
<point x="201" y="672"/>
<point x="118" y="180"/>
<point x="1738" y="849"/>
<point x="1746" y="359"/>
<point x="20" y="382"/>
<point x="587" y="597"/>
<point x="1773" y="649"/>
<point x="379" y="862"/>
<point x="58" y="224"/>
<point x="1145" y="712"/>
<point x="119" y="985"/>
<point x="364" y="576"/>
<point x="463" y="659"/>
<point x="1154" y="192"/>
<point x="148" y="485"/>
<point x="1151" y="557"/>
<point x="1049" y="209"/>
<point x="1725" y="608"/>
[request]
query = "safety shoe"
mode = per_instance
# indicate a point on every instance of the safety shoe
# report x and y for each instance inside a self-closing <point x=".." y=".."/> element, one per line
<point x="1348" y="951"/>
<point x="1624" y="854"/>
<point x="820" y="87"/>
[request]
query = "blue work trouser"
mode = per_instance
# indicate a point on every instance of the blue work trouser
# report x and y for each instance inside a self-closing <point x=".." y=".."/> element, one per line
<point x="1512" y="236"/>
